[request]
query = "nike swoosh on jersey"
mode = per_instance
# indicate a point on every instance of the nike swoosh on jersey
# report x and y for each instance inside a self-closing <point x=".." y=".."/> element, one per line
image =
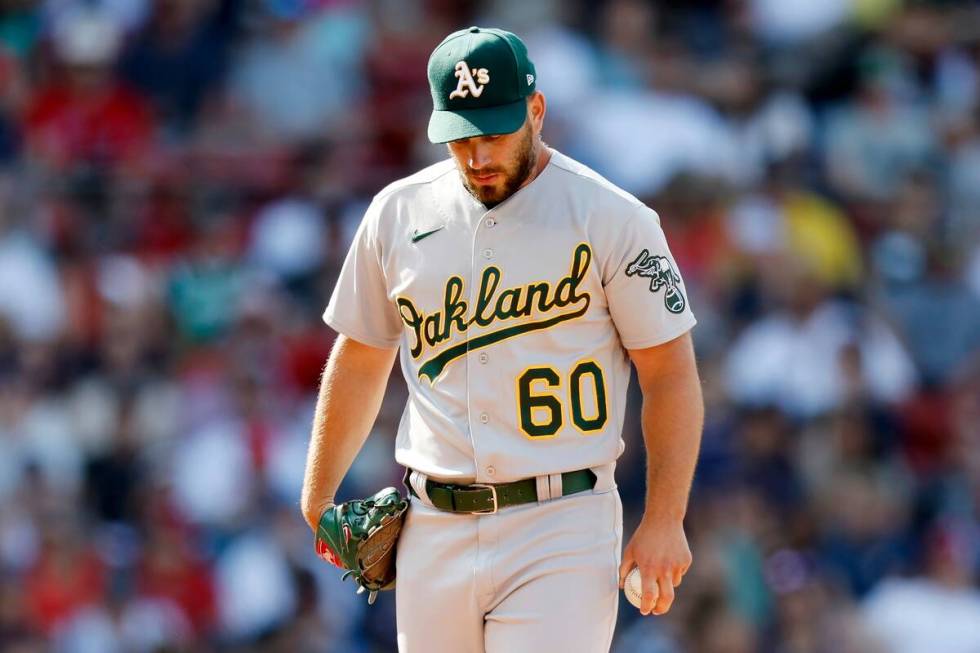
<point x="417" y="236"/>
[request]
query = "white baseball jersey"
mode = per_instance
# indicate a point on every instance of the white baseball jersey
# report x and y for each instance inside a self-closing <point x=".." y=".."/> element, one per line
<point x="513" y="322"/>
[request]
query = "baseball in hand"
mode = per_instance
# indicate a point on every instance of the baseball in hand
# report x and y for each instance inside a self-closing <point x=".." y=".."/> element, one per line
<point x="632" y="587"/>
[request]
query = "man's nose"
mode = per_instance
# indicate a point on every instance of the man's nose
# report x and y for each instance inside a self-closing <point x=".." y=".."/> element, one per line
<point x="479" y="156"/>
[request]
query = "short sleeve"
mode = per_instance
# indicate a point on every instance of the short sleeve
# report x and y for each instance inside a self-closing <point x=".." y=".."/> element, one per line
<point x="360" y="307"/>
<point x="646" y="295"/>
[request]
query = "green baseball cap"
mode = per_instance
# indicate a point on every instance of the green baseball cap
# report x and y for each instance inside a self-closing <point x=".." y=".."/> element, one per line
<point x="479" y="80"/>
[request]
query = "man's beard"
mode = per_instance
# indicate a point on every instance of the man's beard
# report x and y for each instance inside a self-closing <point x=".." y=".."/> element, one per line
<point x="491" y="196"/>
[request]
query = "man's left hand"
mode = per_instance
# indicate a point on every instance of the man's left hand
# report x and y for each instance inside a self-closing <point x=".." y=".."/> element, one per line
<point x="661" y="552"/>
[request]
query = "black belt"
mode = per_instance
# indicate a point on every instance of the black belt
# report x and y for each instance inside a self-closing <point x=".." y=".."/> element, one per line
<point x="485" y="498"/>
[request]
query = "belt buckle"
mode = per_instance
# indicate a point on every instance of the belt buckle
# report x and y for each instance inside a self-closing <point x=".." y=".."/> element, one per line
<point x="493" y="493"/>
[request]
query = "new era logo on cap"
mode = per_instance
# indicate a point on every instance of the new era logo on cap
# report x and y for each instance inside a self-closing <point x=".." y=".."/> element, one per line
<point x="530" y="79"/>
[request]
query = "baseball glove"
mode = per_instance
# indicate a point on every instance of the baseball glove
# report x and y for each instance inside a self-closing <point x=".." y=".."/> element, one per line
<point x="361" y="536"/>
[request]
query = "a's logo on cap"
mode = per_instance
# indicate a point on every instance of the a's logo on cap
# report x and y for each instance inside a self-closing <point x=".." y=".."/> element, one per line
<point x="467" y="84"/>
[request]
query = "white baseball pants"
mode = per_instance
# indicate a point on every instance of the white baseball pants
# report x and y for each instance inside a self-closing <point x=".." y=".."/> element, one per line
<point x="537" y="577"/>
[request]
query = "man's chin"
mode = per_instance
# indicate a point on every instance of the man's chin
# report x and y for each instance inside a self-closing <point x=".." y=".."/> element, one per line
<point x="488" y="195"/>
<point x="494" y="196"/>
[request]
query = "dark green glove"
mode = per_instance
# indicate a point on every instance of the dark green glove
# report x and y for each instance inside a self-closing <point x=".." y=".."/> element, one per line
<point x="361" y="537"/>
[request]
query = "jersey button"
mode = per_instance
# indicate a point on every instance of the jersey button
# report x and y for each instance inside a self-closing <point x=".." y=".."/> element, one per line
<point x="484" y="418"/>
<point x="488" y="253"/>
<point x="491" y="471"/>
<point x="491" y="223"/>
<point x="483" y="357"/>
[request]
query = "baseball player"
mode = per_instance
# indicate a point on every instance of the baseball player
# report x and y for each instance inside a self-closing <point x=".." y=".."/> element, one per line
<point x="516" y="286"/>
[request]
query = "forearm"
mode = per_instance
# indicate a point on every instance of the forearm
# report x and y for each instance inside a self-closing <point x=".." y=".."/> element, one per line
<point x="672" y="419"/>
<point x="351" y="391"/>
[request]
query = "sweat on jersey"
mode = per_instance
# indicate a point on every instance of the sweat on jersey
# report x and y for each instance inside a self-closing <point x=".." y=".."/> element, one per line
<point x="513" y="322"/>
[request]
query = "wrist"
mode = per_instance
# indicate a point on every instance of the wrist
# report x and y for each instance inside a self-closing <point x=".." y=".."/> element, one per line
<point x="313" y="511"/>
<point x="661" y="516"/>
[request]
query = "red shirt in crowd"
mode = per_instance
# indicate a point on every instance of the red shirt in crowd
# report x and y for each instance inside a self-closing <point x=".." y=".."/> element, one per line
<point x="65" y="126"/>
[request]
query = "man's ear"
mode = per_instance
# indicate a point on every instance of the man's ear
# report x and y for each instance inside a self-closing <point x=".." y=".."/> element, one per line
<point x="537" y="106"/>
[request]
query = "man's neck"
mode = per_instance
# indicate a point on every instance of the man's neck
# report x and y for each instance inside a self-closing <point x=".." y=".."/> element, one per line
<point x="542" y="155"/>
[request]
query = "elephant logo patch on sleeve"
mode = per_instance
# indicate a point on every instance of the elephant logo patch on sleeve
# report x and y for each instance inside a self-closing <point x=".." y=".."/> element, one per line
<point x="661" y="275"/>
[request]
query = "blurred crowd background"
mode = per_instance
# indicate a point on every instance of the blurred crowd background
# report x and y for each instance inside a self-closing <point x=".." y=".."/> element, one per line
<point x="179" y="182"/>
